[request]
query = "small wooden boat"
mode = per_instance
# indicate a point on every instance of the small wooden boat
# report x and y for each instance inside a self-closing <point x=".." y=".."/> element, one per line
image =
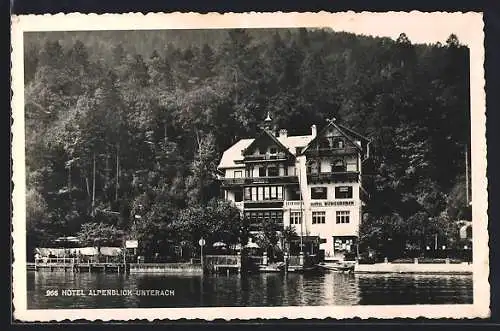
<point x="302" y="268"/>
<point x="275" y="267"/>
<point x="337" y="267"/>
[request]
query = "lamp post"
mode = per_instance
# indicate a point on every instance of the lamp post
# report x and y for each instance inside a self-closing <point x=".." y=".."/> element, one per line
<point x="201" y="242"/>
<point x="136" y="217"/>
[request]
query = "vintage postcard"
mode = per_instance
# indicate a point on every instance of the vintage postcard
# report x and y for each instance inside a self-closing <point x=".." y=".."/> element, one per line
<point x="243" y="166"/>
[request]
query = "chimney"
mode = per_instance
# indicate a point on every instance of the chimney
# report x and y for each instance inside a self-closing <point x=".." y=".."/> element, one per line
<point x="283" y="133"/>
<point x="313" y="131"/>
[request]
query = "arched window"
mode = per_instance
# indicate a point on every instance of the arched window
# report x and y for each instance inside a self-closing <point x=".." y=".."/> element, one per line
<point x="338" y="166"/>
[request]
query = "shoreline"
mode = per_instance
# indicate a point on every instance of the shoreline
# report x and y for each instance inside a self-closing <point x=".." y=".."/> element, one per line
<point x="414" y="268"/>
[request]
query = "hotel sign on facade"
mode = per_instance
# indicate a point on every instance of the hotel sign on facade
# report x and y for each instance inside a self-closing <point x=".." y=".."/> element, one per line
<point x="321" y="203"/>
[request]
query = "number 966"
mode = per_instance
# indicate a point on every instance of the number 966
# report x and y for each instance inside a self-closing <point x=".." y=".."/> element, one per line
<point x="51" y="293"/>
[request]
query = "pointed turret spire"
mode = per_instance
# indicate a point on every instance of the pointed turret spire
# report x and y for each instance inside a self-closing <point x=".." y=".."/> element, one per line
<point x="267" y="121"/>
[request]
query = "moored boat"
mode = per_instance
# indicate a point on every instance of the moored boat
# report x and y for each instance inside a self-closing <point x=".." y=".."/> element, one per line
<point x="275" y="267"/>
<point x="337" y="266"/>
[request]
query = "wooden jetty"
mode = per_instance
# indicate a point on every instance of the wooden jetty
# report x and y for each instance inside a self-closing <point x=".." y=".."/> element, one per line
<point x="223" y="263"/>
<point x="74" y="264"/>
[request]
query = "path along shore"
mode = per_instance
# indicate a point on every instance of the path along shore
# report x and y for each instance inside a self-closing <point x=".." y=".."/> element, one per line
<point x="431" y="268"/>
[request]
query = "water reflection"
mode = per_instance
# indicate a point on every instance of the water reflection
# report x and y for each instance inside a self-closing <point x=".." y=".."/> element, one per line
<point x="249" y="290"/>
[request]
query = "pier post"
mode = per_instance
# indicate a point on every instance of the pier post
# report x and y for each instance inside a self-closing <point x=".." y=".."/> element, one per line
<point x="301" y="258"/>
<point x="286" y="261"/>
<point x="415" y="260"/>
<point x="264" y="258"/>
<point x="238" y="262"/>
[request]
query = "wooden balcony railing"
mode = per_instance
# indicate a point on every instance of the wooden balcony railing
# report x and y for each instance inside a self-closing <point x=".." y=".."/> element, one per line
<point x="272" y="180"/>
<point x="228" y="182"/>
<point x="347" y="176"/>
<point x="331" y="151"/>
<point x="265" y="157"/>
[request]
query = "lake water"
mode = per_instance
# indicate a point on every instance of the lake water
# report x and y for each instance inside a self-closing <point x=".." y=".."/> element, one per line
<point x="162" y="291"/>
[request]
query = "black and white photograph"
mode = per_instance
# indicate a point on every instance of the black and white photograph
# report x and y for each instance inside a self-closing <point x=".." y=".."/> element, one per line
<point x="249" y="165"/>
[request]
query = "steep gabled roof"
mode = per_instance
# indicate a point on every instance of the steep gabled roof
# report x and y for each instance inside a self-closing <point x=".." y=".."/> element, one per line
<point x="342" y="129"/>
<point x="233" y="156"/>
<point x="354" y="133"/>
<point x="273" y="138"/>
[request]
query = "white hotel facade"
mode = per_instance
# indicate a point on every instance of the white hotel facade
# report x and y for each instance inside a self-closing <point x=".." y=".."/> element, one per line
<point x="311" y="183"/>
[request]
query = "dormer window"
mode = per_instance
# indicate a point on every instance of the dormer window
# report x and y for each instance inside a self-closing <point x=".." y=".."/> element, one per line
<point x="338" y="143"/>
<point x="273" y="150"/>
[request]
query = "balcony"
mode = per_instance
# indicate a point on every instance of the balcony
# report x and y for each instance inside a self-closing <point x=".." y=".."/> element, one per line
<point x="343" y="177"/>
<point x="331" y="151"/>
<point x="294" y="203"/>
<point x="277" y="226"/>
<point x="229" y="182"/>
<point x="251" y="204"/>
<point x="272" y="180"/>
<point x="266" y="157"/>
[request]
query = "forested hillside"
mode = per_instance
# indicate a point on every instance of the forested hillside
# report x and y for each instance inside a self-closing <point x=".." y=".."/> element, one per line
<point x="120" y="124"/>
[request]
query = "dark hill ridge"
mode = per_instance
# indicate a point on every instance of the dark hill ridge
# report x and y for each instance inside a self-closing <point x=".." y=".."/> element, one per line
<point x="153" y="111"/>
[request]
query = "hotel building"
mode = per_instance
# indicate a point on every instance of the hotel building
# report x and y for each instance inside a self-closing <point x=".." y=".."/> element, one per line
<point x="311" y="183"/>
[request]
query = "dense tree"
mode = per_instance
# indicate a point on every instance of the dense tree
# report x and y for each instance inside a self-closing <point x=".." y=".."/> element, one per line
<point x="119" y="124"/>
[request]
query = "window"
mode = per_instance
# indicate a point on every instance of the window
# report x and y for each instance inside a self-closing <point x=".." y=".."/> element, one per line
<point x="294" y="194"/>
<point x="238" y="174"/>
<point x="249" y="172"/>
<point x="312" y="167"/>
<point x="273" y="150"/>
<point x="238" y="195"/>
<point x="318" y="192"/>
<point x="343" y="192"/>
<point x="266" y="193"/>
<point x="273" y="192"/>
<point x="342" y="244"/>
<point x="248" y="193"/>
<point x="352" y="165"/>
<point x="338" y="143"/>
<point x="262" y="172"/>
<point x="295" y="217"/>
<point x="323" y="143"/>
<point x="342" y="216"/>
<point x="260" y="191"/>
<point x="273" y="171"/>
<point x="338" y="166"/>
<point x="318" y="217"/>
<point x="257" y="218"/>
